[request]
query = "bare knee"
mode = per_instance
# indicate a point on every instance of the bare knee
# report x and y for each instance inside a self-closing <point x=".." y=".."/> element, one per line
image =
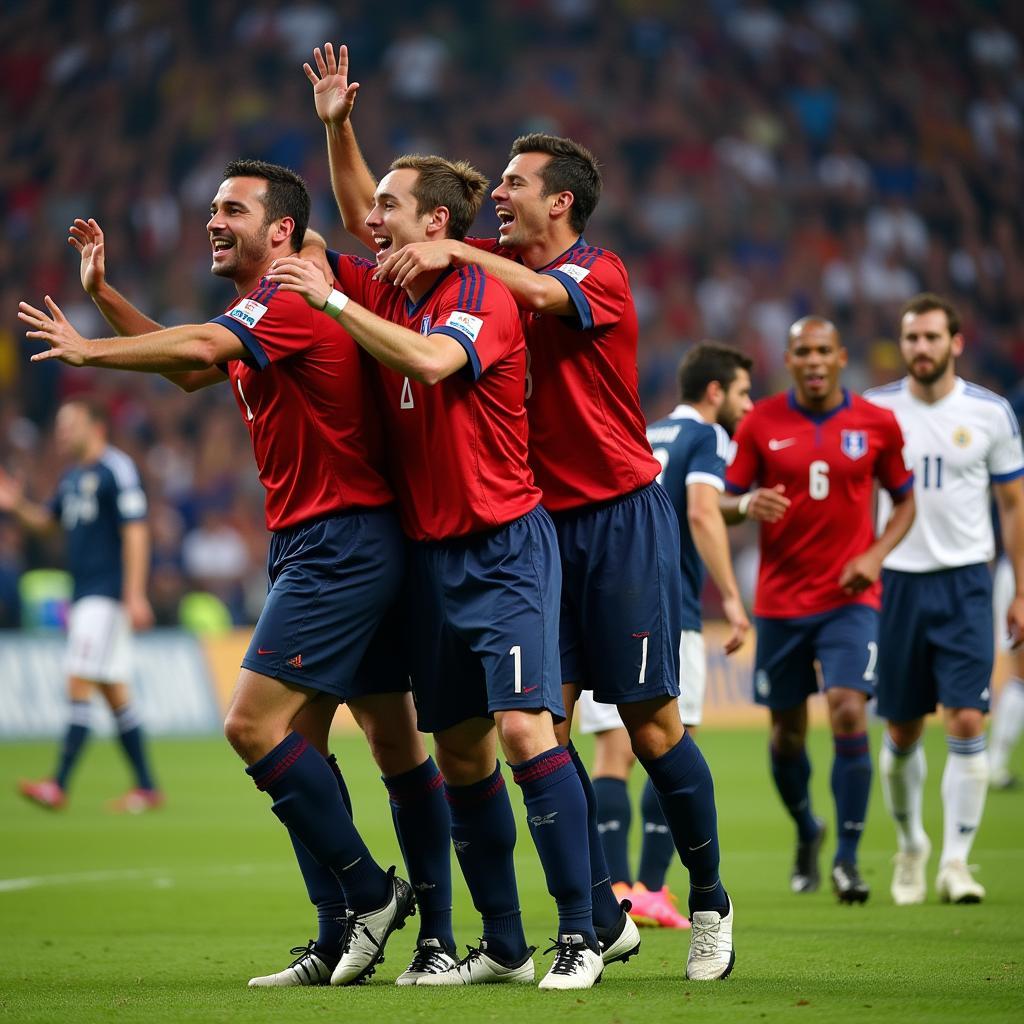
<point x="525" y="734"/>
<point x="245" y="734"/>
<point x="964" y="723"/>
<point x="467" y="752"/>
<point x="789" y="731"/>
<point x="905" y="734"/>
<point x="389" y="724"/>
<point x="654" y="727"/>
<point x="613" y="755"/>
<point x="847" y="711"/>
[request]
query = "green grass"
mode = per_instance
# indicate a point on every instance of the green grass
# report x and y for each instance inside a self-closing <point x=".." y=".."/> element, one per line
<point x="164" y="917"/>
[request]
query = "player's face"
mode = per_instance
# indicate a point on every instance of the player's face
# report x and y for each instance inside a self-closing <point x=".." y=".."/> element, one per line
<point x="72" y="430"/>
<point x="519" y="201"/>
<point x="736" y="403"/>
<point x="927" y="347"/>
<point x="393" y="219"/>
<point x="239" y="236"/>
<point x="815" y="359"/>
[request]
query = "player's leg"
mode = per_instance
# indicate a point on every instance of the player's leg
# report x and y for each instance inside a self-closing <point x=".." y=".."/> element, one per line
<point x="906" y="694"/>
<point x="1007" y="726"/>
<point x="422" y="821"/>
<point x="51" y="793"/>
<point x="145" y="795"/>
<point x="964" y="658"/>
<point x="846" y="645"/>
<point x="484" y="836"/>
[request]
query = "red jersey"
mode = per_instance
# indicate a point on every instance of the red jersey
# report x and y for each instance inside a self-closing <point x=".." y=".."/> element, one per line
<point x="588" y="436"/>
<point x="828" y="464"/>
<point x="302" y="396"/>
<point x="459" y="447"/>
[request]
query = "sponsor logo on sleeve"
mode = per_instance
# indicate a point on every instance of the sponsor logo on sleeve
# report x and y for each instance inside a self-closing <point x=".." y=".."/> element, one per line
<point x="468" y="324"/>
<point x="573" y="270"/>
<point x="248" y="312"/>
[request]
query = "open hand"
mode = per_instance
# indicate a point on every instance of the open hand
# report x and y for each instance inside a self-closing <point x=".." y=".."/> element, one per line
<point x="86" y="237"/>
<point x="333" y="96"/>
<point x="66" y="344"/>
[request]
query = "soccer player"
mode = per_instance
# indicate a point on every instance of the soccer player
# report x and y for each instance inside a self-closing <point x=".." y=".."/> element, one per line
<point x="692" y="445"/>
<point x="101" y="507"/>
<point x="617" y="533"/>
<point x="818" y="592"/>
<point x="936" y="636"/>
<point x="484" y="572"/>
<point x="336" y="565"/>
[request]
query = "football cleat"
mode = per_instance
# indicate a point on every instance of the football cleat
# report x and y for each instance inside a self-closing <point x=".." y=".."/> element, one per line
<point x="622" y="940"/>
<point x="430" y="958"/>
<point x="656" y="908"/>
<point x="711" y="956"/>
<point x="1004" y="781"/>
<point x="477" y="968"/>
<point x="908" y="878"/>
<point x="806" y="876"/>
<point x="956" y="884"/>
<point x="308" y="968"/>
<point x="847" y="884"/>
<point x="362" y="946"/>
<point x="576" y="965"/>
<point x="137" y="801"/>
<point x="44" y="793"/>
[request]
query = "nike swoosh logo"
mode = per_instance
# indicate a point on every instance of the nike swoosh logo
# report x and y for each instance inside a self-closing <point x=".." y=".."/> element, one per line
<point x="263" y="650"/>
<point x="775" y="445"/>
<point x="530" y="689"/>
<point x="701" y="847"/>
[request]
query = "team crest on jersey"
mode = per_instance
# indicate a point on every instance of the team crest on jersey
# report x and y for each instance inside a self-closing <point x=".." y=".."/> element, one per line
<point x="88" y="483"/>
<point x="425" y="325"/>
<point x="961" y="437"/>
<point x="854" y="443"/>
<point x="248" y="312"/>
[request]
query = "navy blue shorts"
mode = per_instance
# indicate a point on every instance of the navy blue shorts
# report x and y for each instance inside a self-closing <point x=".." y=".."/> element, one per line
<point x="843" y="642"/>
<point x="333" y="583"/>
<point x="484" y="623"/>
<point x="622" y="597"/>
<point x="936" y="641"/>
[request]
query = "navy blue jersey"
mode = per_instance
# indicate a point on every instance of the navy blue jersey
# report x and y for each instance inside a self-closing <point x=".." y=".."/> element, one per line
<point x="92" y="502"/>
<point x="691" y="451"/>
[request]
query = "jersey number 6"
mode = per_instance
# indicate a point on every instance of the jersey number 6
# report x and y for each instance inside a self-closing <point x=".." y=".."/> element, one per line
<point x="817" y="483"/>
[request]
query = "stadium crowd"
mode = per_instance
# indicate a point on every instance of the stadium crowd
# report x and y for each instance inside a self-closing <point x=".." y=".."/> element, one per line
<point x="761" y="161"/>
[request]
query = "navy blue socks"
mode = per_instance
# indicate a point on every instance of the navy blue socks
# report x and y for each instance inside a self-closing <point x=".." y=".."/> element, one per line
<point x="614" y="815"/>
<point x="74" y="741"/>
<point x="129" y="732"/>
<point x="851" y="787"/>
<point x="792" y="775"/>
<point x="657" y="848"/>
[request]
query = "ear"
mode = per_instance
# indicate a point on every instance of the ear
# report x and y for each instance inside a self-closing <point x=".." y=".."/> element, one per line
<point x="844" y="356"/>
<point x="561" y="204"/>
<point x="956" y="346"/>
<point x="437" y="222"/>
<point x="282" y="230"/>
<point x="714" y="393"/>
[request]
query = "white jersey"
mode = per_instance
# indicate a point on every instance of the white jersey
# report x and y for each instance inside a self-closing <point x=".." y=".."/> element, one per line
<point x="955" y="446"/>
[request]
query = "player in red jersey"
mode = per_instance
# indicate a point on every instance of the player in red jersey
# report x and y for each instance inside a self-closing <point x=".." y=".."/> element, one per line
<point x="336" y="564"/>
<point x="485" y="576"/>
<point x="818" y="590"/>
<point x="618" y="537"/>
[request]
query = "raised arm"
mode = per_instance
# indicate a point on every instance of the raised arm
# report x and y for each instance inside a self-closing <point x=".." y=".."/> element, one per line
<point x="86" y="236"/>
<point x="172" y="350"/>
<point x="351" y="179"/>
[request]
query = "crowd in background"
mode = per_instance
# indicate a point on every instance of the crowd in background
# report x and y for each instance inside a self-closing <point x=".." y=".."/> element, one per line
<point x="761" y="161"/>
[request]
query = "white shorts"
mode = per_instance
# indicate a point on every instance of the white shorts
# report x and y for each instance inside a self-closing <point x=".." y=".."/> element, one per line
<point x="693" y="671"/>
<point x="99" y="641"/>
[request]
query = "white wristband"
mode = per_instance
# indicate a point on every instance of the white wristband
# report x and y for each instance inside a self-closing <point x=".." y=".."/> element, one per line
<point x="335" y="303"/>
<point x="743" y="504"/>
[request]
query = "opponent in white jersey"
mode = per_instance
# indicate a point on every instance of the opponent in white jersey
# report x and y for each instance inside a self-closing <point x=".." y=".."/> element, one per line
<point x="936" y="635"/>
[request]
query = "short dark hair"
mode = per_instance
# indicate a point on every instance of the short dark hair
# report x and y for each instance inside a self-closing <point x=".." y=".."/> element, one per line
<point x="454" y="184"/>
<point x="286" y="196"/>
<point x="927" y="302"/>
<point x="709" y="362"/>
<point x="572" y="168"/>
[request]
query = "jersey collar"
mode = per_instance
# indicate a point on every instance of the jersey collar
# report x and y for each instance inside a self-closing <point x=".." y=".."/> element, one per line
<point x="411" y="307"/>
<point x="686" y="412"/>
<point x="580" y="243"/>
<point x="817" y="417"/>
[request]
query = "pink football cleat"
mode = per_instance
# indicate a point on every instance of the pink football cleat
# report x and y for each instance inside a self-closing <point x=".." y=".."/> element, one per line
<point x="45" y="793"/>
<point x="137" y="801"/>
<point x="656" y="909"/>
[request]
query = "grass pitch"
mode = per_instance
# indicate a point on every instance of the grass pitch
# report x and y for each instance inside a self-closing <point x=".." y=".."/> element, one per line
<point x="165" y="917"/>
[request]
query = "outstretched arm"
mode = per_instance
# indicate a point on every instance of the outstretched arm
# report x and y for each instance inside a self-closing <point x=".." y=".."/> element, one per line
<point x="193" y="347"/>
<point x="86" y="237"/>
<point x="351" y="179"/>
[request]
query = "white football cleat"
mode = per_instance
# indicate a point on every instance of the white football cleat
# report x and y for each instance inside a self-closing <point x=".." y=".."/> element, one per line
<point x="365" y="934"/>
<point x="909" y="885"/>
<point x="711" y="954"/>
<point x="576" y="965"/>
<point x="622" y="940"/>
<point x="430" y="958"/>
<point x="956" y="884"/>
<point x="306" y="969"/>
<point x="477" y="968"/>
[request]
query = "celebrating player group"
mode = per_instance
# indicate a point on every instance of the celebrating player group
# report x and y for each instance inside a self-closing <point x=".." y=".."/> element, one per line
<point x="453" y="451"/>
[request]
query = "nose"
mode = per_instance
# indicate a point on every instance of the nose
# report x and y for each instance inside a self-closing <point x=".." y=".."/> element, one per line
<point x="499" y="194"/>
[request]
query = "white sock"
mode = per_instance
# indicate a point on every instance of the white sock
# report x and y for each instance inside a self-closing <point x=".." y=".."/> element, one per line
<point x="964" y="785"/>
<point x="1007" y="725"/>
<point x="903" y="773"/>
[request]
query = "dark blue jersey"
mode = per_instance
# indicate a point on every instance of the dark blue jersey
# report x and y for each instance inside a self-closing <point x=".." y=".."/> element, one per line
<point x="92" y="501"/>
<point x="691" y="451"/>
